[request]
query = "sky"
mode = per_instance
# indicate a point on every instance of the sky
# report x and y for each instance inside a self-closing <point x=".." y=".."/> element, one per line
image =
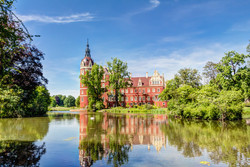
<point x="163" y="35"/>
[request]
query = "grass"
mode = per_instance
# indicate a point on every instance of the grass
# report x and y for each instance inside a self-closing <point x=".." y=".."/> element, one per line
<point x="59" y="108"/>
<point x="135" y="110"/>
<point x="246" y="112"/>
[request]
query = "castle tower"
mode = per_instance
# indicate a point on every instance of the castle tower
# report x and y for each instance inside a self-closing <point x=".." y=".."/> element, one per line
<point x="86" y="64"/>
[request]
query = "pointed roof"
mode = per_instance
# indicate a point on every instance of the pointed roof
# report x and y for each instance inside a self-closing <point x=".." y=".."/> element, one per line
<point x="87" y="50"/>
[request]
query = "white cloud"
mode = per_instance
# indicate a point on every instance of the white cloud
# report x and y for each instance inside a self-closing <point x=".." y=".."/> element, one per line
<point x="170" y="63"/>
<point x="155" y="3"/>
<point x="82" y="17"/>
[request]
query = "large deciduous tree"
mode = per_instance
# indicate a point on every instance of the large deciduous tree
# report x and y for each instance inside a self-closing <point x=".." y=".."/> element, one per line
<point x="92" y="79"/>
<point x="234" y="74"/>
<point x="20" y="66"/>
<point x="119" y="76"/>
<point x="210" y="72"/>
<point x="69" y="101"/>
<point x="188" y="76"/>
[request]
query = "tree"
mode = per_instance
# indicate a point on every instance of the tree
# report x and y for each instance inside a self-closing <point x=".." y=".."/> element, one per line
<point x="234" y="74"/>
<point x="53" y="101"/>
<point x="248" y="47"/>
<point x="170" y="90"/>
<point x="210" y="72"/>
<point x="70" y="101"/>
<point x="119" y="76"/>
<point x="93" y="81"/>
<point x="77" y="103"/>
<point x="20" y="65"/>
<point x="41" y="102"/>
<point x="188" y="76"/>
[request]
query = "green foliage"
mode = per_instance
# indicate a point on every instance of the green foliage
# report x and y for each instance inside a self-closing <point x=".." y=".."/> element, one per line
<point x="53" y="102"/>
<point x="210" y="72"/>
<point x="234" y="73"/>
<point x="170" y="91"/>
<point x="119" y="76"/>
<point x="188" y="76"/>
<point x="248" y="47"/>
<point x="21" y="76"/>
<point x="40" y="102"/>
<point x="69" y="101"/>
<point x="93" y="81"/>
<point x="222" y="98"/>
<point x="77" y="103"/>
<point x="11" y="104"/>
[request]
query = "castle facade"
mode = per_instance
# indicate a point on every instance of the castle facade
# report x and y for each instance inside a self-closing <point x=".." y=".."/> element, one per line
<point x="144" y="90"/>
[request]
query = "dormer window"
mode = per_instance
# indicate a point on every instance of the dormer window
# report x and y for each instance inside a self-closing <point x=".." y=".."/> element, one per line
<point x="139" y="82"/>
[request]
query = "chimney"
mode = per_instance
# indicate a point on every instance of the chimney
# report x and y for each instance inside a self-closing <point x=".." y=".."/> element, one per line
<point x="146" y="74"/>
<point x="130" y="75"/>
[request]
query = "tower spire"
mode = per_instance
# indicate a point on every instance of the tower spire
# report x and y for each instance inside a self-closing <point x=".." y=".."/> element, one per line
<point x="87" y="51"/>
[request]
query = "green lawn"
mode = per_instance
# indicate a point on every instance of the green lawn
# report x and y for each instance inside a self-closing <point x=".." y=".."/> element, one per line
<point x="62" y="108"/>
<point x="246" y="112"/>
<point x="135" y="110"/>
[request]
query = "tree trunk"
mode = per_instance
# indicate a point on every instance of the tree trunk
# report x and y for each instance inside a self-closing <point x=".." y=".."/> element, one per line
<point x="116" y="98"/>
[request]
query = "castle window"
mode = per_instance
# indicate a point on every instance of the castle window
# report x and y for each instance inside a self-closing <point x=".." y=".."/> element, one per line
<point x="131" y="98"/>
<point x="139" y="98"/>
<point x="103" y="85"/>
<point x="153" y="90"/>
<point x="135" y="98"/>
<point x="139" y="90"/>
<point x="82" y="99"/>
<point x="148" y="98"/>
<point x="122" y="91"/>
<point x="126" y="90"/>
<point x="148" y="90"/>
<point x="126" y="98"/>
<point x="82" y="92"/>
<point x="143" y="91"/>
<point x="131" y="90"/>
<point x="158" y="90"/>
<point x="122" y="99"/>
<point x="143" y="98"/>
<point x="135" y="90"/>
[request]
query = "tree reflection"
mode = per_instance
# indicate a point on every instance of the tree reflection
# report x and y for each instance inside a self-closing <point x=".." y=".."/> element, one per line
<point x="97" y="144"/>
<point x="110" y="137"/>
<point x="20" y="153"/>
<point x="17" y="141"/>
<point x="227" y="143"/>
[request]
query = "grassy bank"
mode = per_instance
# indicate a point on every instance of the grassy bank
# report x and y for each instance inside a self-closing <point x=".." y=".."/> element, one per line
<point x="135" y="110"/>
<point x="246" y="112"/>
<point x="62" y="108"/>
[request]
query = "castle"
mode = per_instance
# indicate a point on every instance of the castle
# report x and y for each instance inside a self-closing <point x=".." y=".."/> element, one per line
<point x="144" y="90"/>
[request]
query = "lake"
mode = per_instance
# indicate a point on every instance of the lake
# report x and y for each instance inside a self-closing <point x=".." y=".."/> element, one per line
<point x="102" y="139"/>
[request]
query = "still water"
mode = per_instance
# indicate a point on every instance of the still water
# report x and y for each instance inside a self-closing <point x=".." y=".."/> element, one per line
<point x="89" y="139"/>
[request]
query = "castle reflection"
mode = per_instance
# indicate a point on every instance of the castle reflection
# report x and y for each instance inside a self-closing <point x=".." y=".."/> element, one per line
<point x="112" y="136"/>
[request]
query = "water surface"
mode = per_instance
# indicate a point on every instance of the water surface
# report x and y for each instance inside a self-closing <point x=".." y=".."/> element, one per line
<point x="90" y="139"/>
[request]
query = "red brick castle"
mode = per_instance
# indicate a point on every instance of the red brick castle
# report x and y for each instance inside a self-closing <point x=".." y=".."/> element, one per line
<point x="144" y="90"/>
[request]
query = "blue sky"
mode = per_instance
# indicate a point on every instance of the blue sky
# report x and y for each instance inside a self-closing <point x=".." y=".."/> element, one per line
<point x="148" y="34"/>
